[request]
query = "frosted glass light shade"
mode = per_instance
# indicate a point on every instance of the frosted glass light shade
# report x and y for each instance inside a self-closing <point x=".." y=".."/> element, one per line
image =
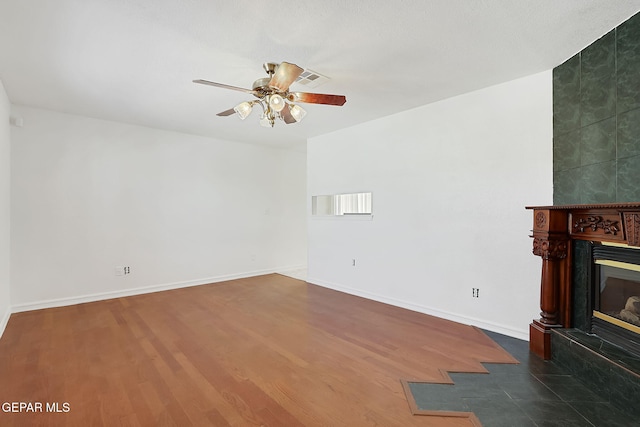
<point x="276" y="102"/>
<point x="297" y="112"/>
<point x="266" y="122"/>
<point x="243" y="109"/>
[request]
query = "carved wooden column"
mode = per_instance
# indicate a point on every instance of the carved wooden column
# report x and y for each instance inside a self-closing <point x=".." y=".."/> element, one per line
<point x="550" y="242"/>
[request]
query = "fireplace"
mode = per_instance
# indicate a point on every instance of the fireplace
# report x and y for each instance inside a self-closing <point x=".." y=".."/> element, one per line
<point x="615" y="293"/>
<point x="613" y="231"/>
<point x="589" y="290"/>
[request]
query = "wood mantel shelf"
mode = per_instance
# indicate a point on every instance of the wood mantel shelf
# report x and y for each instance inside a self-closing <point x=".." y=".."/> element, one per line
<point x="622" y="206"/>
<point x="554" y="227"/>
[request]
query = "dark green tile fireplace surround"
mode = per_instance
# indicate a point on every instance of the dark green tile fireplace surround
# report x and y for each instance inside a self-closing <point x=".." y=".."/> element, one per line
<point x="596" y="121"/>
<point x="596" y="159"/>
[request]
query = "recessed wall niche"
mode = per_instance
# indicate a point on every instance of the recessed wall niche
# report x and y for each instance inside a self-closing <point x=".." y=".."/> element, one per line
<point x="342" y="204"/>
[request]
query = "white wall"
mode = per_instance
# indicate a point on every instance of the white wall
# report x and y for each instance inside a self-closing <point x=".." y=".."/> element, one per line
<point x="5" y="301"/>
<point x="450" y="181"/>
<point x="89" y="195"/>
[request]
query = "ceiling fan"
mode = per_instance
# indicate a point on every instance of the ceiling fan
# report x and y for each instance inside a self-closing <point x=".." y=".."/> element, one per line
<point x="274" y="96"/>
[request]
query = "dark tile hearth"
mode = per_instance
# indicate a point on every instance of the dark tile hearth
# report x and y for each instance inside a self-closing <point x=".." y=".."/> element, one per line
<point x="607" y="368"/>
<point x="532" y="393"/>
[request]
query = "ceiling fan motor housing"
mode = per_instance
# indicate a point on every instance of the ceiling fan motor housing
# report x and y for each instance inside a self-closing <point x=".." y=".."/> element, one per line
<point x="261" y="86"/>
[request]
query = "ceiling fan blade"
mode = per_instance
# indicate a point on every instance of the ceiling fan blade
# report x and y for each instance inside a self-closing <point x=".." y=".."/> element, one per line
<point x="285" y="74"/>
<point x="207" y="82"/>
<point x="286" y="115"/>
<point x="228" y="112"/>
<point x="317" y="98"/>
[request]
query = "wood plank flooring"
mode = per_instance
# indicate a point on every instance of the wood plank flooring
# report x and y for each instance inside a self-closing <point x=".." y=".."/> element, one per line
<point x="263" y="351"/>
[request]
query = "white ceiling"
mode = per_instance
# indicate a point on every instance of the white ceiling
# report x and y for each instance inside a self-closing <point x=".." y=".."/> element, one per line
<point x="133" y="60"/>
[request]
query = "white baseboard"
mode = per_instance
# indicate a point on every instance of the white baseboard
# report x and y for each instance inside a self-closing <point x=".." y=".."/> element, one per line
<point x="490" y="326"/>
<point x="299" y="272"/>
<point x="292" y="268"/>
<point x="61" y="302"/>
<point x="4" y="320"/>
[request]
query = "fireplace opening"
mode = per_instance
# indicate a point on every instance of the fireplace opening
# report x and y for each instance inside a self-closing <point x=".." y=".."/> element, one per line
<point x="616" y="295"/>
<point x="620" y="294"/>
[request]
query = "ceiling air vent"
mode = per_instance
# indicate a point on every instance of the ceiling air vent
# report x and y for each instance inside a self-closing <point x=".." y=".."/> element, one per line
<point x="311" y="79"/>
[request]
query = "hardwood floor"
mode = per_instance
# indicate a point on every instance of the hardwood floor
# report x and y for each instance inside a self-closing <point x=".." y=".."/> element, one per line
<point x="263" y="351"/>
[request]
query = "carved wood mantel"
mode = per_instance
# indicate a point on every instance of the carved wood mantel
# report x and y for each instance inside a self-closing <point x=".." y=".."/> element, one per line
<point x="554" y="227"/>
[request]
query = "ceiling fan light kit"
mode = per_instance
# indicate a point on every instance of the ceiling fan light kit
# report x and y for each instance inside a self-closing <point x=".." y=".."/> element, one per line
<point x="274" y="96"/>
<point x="276" y="102"/>
<point x="297" y="112"/>
<point x="243" y="109"/>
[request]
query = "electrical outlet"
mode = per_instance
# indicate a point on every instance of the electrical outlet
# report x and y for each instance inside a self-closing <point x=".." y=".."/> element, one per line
<point x="122" y="271"/>
<point x="353" y="262"/>
<point x="475" y="292"/>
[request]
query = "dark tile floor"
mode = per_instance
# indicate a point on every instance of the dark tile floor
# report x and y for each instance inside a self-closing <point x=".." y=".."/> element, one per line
<point x="532" y="393"/>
